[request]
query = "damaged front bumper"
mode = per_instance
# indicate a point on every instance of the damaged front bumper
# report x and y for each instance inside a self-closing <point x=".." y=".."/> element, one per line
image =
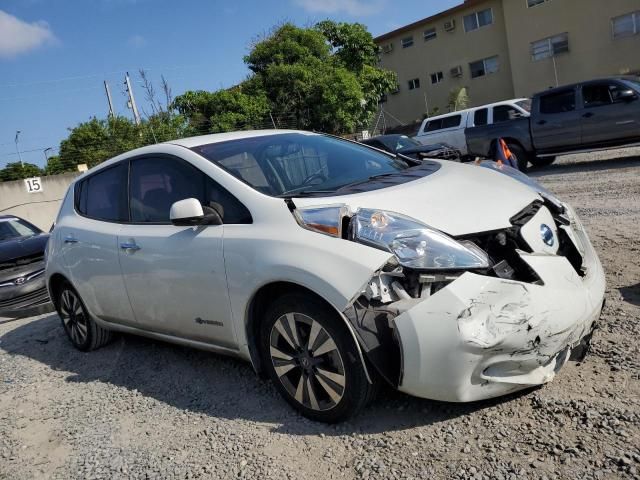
<point x="480" y="336"/>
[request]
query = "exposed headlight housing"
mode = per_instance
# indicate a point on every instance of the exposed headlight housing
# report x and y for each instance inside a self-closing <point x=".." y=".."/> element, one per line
<point x="415" y="244"/>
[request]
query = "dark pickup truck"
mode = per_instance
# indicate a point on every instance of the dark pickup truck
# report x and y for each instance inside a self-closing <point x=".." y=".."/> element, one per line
<point x="585" y="116"/>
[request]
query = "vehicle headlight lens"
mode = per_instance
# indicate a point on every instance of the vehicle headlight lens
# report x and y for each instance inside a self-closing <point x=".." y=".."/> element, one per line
<point x="415" y="244"/>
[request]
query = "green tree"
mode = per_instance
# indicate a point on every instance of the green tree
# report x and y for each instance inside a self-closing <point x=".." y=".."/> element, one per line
<point x="325" y="77"/>
<point x="17" y="171"/>
<point x="95" y="141"/>
<point x="458" y="99"/>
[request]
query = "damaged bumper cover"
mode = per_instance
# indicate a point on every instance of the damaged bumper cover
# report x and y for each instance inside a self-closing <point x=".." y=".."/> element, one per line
<point x="480" y="336"/>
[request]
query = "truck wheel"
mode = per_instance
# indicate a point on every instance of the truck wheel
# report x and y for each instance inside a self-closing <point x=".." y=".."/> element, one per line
<point x="542" y="161"/>
<point x="313" y="360"/>
<point x="520" y="156"/>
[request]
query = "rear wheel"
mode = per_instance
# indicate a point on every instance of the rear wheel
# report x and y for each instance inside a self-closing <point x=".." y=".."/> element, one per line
<point x="313" y="360"/>
<point x="520" y="157"/>
<point x="542" y="161"/>
<point x="85" y="334"/>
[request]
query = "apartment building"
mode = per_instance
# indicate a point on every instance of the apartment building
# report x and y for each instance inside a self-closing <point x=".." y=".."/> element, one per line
<point x="500" y="49"/>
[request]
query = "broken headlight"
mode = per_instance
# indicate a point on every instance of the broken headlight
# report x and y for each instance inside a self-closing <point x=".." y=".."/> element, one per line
<point x="413" y="243"/>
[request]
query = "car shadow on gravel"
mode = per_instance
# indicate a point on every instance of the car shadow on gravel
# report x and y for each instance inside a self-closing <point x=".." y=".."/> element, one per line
<point x="210" y="384"/>
<point x="631" y="294"/>
<point x="585" y="166"/>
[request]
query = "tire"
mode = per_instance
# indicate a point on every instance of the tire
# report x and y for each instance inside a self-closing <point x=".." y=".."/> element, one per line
<point x="542" y="162"/>
<point x="315" y="365"/>
<point x="83" y="332"/>
<point x="521" y="157"/>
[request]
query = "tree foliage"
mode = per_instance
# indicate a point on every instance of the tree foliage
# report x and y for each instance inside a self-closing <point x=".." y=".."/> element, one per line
<point x="17" y="171"/>
<point x="325" y="77"/>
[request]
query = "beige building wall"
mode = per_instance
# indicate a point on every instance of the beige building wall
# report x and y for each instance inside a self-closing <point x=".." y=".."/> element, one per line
<point x="448" y="50"/>
<point x="39" y="208"/>
<point x="592" y="50"/>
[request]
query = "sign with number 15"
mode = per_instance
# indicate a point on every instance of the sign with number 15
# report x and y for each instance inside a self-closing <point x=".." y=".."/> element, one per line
<point x="34" y="185"/>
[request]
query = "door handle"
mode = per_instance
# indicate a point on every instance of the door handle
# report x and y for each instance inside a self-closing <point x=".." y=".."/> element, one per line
<point x="129" y="246"/>
<point x="588" y="115"/>
<point x="70" y="239"/>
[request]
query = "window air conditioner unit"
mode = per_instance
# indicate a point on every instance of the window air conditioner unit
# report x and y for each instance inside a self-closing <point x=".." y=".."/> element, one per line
<point x="450" y="25"/>
<point x="456" y="71"/>
<point x="387" y="47"/>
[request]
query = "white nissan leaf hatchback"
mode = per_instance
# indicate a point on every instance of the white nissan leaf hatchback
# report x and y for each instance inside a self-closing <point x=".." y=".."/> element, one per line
<point x="329" y="265"/>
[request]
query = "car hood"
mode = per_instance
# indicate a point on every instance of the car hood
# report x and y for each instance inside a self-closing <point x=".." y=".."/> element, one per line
<point x="22" y="247"/>
<point x="457" y="199"/>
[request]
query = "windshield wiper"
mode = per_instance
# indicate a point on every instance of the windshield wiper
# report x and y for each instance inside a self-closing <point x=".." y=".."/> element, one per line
<point x="303" y="193"/>
<point x="367" y="180"/>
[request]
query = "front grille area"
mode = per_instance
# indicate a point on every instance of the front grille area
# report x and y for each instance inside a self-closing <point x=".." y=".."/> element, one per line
<point x="21" y="262"/>
<point x="31" y="299"/>
<point x="501" y="245"/>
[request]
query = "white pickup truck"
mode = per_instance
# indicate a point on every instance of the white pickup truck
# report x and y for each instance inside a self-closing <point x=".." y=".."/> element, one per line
<point x="449" y="128"/>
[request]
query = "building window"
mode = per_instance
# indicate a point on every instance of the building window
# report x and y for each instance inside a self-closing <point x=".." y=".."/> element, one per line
<point x="626" y="25"/>
<point x="395" y="90"/>
<point x="436" y="77"/>
<point x="550" y="47"/>
<point x="533" y="3"/>
<point x="414" y="83"/>
<point x="387" y="48"/>
<point x="478" y="19"/>
<point x="407" y="42"/>
<point x="484" y="67"/>
<point x="430" y="34"/>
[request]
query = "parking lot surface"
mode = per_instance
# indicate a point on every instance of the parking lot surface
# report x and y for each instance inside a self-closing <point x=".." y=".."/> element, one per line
<point x="144" y="409"/>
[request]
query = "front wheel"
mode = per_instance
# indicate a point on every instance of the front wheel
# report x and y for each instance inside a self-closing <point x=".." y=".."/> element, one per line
<point x="313" y="360"/>
<point x="85" y="334"/>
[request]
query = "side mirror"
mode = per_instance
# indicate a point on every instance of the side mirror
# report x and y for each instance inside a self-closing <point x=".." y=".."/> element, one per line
<point x="627" y="95"/>
<point x="188" y="213"/>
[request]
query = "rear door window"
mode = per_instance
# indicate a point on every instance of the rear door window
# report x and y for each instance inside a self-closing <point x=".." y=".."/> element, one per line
<point x="103" y="195"/>
<point x="504" y="113"/>
<point x="558" y="102"/>
<point x="480" y="117"/>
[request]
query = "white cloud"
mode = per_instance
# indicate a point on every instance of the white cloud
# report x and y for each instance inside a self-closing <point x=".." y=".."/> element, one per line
<point x="352" y="7"/>
<point x="137" y="41"/>
<point x="17" y="36"/>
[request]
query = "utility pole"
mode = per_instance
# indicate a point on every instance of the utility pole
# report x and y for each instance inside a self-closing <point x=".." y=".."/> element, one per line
<point x="18" y="149"/>
<point x="108" y="92"/>
<point x="46" y="157"/>
<point x="132" y="100"/>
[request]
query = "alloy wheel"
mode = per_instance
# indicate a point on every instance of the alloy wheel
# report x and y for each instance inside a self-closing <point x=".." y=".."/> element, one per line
<point x="73" y="317"/>
<point x="307" y="361"/>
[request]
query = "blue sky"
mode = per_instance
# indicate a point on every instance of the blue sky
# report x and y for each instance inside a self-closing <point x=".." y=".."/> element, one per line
<point x="55" y="54"/>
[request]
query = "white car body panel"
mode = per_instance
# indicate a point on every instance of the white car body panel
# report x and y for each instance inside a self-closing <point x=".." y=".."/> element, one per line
<point x="459" y="344"/>
<point x="476" y="201"/>
<point x="481" y="337"/>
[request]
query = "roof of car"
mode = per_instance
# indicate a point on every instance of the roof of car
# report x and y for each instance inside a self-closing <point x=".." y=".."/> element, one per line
<point x="472" y="109"/>
<point x="191" y="142"/>
<point x="591" y="80"/>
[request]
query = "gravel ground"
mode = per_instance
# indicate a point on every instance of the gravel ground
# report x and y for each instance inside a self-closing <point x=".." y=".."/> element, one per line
<point x="144" y="409"/>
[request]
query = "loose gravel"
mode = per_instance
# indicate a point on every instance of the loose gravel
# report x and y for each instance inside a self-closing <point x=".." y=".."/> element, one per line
<point x="144" y="409"/>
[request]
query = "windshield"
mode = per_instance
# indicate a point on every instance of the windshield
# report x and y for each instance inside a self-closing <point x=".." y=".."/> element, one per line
<point x="298" y="163"/>
<point x="11" y="228"/>
<point x="525" y="105"/>
<point x="403" y="142"/>
<point x="634" y="83"/>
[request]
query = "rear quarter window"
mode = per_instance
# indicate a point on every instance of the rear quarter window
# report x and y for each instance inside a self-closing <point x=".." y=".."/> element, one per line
<point x="451" y="122"/>
<point x="103" y="195"/>
<point x="558" y="102"/>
